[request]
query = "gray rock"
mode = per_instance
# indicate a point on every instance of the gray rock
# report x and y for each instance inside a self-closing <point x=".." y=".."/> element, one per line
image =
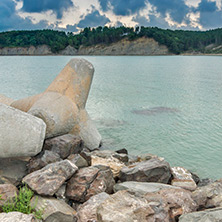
<point x="64" y="145"/>
<point x="7" y="193"/>
<point x="17" y="217"/>
<point x="78" y="160"/>
<point x="153" y="170"/>
<point x="21" y="134"/>
<point x="4" y="180"/>
<point x="54" y="210"/>
<point x="41" y="160"/>
<point x="123" y="151"/>
<point x="88" y="182"/>
<point x="60" y="193"/>
<point x="87" y="211"/>
<point x="141" y="187"/>
<point x="209" y="196"/>
<point x="125" y="207"/>
<point x="87" y="156"/>
<point x="211" y="215"/>
<point x="50" y="178"/>
<point x="13" y="169"/>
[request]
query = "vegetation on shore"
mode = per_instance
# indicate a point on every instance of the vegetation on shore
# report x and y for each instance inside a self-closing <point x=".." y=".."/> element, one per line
<point x="177" y="41"/>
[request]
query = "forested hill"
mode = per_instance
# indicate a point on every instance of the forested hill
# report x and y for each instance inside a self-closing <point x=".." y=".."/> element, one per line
<point x="177" y="41"/>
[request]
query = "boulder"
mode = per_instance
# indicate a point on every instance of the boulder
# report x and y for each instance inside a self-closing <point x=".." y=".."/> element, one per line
<point x="141" y="187"/>
<point x="54" y="210"/>
<point x="60" y="193"/>
<point x="78" y="160"/>
<point x="87" y="211"/>
<point x="153" y="170"/>
<point x="125" y="207"/>
<point x="50" y="178"/>
<point x="13" y="169"/>
<point x="88" y="182"/>
<point x="41" y="160"/>
<point x="114" y="164"/>
<point x="182" y="178"/>
<point x="17" y="217"/>
<point x="21" y="134"/>
<point x="211" y="215"/>
<point x="4" y="180"/>
<point x="209" y="196"/>
<point x="64" y="145"/>
<point x="5" y="100"/>
<point x="7" y="193"/>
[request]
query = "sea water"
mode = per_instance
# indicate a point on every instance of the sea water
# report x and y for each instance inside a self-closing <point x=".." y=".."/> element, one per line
<point x="170" y="106"/>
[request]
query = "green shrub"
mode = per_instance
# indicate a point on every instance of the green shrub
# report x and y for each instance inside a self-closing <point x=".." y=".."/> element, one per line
<point x="22" y="203"/>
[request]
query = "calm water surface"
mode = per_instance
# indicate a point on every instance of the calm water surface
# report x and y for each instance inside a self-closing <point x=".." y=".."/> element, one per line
<point x="166" y="105"/>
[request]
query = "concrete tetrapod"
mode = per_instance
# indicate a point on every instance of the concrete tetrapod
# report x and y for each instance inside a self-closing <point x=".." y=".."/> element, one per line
<point x="62" y="105"/>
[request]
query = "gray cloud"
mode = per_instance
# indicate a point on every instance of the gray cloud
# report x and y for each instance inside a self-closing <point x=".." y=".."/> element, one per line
<point x="123" y="7"/>
<point x="93" y="19"/>
<point x="57" y="6"/>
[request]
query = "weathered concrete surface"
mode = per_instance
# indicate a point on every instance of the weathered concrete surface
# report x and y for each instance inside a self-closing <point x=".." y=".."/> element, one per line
<point x="211" y="215"/>
<point x="50" y="178"/>
<point x="17" y="217"/>
<point x="54" y="210"/>
<point x="67" y="96"/>
<point x="5" y="100"/>
<point x="21" y="134"/>
<point x="58" y="112"/>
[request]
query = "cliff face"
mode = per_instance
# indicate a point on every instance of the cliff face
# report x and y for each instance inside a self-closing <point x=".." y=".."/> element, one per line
<point x="141" y="46"/>
<point x="39" y="50"/>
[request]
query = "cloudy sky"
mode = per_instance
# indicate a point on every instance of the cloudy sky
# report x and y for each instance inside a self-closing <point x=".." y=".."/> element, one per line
<point x="73" y="15"/>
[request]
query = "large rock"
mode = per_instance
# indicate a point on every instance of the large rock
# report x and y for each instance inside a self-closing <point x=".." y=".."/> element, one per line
<point x="44" y="158"/>
<point x="125" y="207"/>
<point x="13" y="169"/>
<point x="64" y="145"/>
<point x="209" y="196"/>
<point x="17" y="217"/>
<point x="54" y="210"/>
<point x="7" y="193"/>
<point x="211" y="215"/>
<point x="50" y="178"/>
<point x="114" y="164"/>
<point x="182" y="178"/>
<point x="78" y="160"/>
<point x="141" y="187"/>
<point x="21" y="134"/>
<point x="153" y="170"/>
<point x="87" y="211"/>
<point x="88" y="182"/>
<point x="5" y="100"/>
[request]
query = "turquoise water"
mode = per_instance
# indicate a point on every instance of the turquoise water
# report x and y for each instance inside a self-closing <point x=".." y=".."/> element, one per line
<point x="166" y="105"/>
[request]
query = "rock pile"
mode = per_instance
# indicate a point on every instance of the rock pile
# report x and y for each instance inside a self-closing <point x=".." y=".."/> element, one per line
<point x="49" y="143"/>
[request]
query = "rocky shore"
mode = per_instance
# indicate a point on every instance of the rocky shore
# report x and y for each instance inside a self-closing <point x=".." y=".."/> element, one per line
<point x="49" y="144"/>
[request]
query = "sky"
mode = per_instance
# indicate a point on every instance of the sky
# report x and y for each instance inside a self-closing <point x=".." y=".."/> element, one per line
<point x="74" y="15"/>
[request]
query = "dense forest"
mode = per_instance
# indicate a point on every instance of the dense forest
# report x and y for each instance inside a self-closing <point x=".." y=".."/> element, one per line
<point x="177" y="41"/>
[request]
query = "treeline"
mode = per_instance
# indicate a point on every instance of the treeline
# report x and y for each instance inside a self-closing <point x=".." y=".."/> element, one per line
<point x="177" y="41"/>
